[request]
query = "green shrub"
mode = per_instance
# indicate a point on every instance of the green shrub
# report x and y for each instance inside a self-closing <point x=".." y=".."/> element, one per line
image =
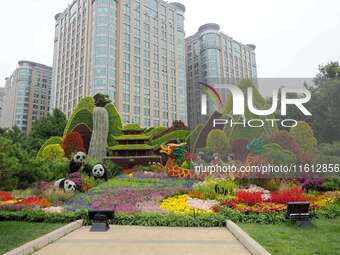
<point x="83" y="116"/>
<point x="218" y="142"/>
<point x="216" y="188"/>
<point x="178" y="135"/>
<point x="41" y="216"/>
<point x="53" y="152"/>
<point x="52" y="140"/>
<point x="115" y="123"/>
<point x="193" y="137"/>
<point x="56" y="197"/>
<point x="155" y="131"/>
<point x="332" y="183"/>
<point x="275" y="154"/>
<point x="87" y="103"/>
<point x="304" y="136"/>
<point x="263" y="218"/>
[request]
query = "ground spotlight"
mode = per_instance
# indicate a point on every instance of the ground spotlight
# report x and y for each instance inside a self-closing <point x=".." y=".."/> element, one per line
<point x="100" y="220"/>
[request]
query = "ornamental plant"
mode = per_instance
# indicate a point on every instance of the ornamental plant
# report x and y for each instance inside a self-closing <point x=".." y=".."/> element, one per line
<point x="179" y="205"/>
<point x="73" y="142"/>
<point x="5" y="196"/>
<point x="304" y="136"/>
<point x="292" y="195"/>
<point x="34" y="201"/>
<point x="239" y="149"/>
<point x="53" y="152"/>
<point x="286" y="141"/>
<point x="217" y="142"/>
<point x="249" y="198"/>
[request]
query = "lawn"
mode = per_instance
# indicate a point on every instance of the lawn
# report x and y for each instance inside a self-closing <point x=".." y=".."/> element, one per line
<point x="322" y="238"/>
<point x="14" y="234"/>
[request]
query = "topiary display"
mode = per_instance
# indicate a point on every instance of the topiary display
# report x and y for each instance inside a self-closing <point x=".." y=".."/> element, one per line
<point x="304" y="136"/>
<point x="82" y="114"/>
<point x="256" y="145"/>
<point x="53" y="152"/>
<point x="52" y="140"/>
<point x="286" y="141"/>
<point x="193" y="137"/>
<point x="217" y="142"/>
<point x="101" y="100"/>
<point x="115" y="123"/>
<point x="239" y="149"/>
<point x="85" y="133"/>
<point x="178" y="135"/>
<point x="277" y="155"/>
<point x="100" y="133"/>
<point x="73" y="142"/>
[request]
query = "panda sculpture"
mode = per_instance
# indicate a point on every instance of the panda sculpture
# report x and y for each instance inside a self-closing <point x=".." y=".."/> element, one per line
<point x="77" y="162"/>
<point x="66" y="185"/>
<point x="99" y="172"/>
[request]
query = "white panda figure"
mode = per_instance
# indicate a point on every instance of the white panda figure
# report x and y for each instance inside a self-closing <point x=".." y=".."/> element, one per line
<point x="67" y="185"/>
<point x="77" y="162"/>
<point x="79" y="157"/>
<point x="99" y="172"/>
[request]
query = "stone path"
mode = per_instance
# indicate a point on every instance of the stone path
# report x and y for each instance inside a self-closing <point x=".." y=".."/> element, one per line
<point x="136" y="240"/>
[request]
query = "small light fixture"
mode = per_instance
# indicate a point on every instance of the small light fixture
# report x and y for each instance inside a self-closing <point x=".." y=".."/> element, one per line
<point x="100" y="220"/>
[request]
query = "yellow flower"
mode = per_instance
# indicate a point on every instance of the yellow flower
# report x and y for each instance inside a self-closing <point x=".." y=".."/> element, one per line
<point x="179" y="204"/>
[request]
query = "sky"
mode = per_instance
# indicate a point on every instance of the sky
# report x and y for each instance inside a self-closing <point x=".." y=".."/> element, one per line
<point x="292" y="36"/>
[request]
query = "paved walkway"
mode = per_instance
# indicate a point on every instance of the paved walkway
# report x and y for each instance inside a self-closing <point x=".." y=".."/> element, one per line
<point x="136" y="240"/>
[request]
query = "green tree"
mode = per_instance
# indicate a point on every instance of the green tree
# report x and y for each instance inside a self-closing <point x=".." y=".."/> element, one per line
<point x="304" y="136"/>
<point x="324" y="106"/>
<point x="218" y="142"/>
<point x="44" y="128"/>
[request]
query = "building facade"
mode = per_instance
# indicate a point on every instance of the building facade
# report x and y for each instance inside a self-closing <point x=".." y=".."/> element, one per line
<point x="131" y="50"/>
<point x="27" y="95"/>
<point x="2" y="98"/>
<point x="215" y="58"/>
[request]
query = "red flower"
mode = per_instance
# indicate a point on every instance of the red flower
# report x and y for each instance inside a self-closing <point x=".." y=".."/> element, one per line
<point x="34" y="200"/>
<point x="5" y="196"/>
<point x="249" y="198"/>
<point x="292" y="195"/>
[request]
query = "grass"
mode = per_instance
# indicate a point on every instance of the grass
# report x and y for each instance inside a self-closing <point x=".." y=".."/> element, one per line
<point x="14" y="233"/>
<point x="322" y="238"/>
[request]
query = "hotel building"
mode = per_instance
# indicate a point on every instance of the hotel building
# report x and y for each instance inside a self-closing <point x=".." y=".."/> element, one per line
<point x="131" y="50"/>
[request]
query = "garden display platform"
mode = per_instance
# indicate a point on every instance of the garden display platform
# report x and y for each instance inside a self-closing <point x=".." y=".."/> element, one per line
<point x="139" y="240"/>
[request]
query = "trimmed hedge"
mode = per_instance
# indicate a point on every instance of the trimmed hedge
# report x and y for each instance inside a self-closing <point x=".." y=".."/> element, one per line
<point x="155" y="131"/>
<point x="178" y="134"/>
<point x="52" y="140"/>
<point x="193" y="137"/>
<point x="85" y="104"/>
<point x="41" y="216"/>
<point x="82" y="116"/>
<point x="171" y="220"/>
<point x="115" y="123"/>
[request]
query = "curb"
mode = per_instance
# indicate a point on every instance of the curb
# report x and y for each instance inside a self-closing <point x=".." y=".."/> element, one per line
<point x="253" y="247"/>
<point x="43" y="241"/>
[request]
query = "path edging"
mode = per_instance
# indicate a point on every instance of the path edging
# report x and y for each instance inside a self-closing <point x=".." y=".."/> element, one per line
<point x="253" y="247"/>
<point x="44" y="240"/>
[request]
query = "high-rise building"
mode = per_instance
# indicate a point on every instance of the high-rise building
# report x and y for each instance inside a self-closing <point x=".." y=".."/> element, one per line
<point x="214" y="57"/>
<point x="2" y="98"/>
<point x="27" y="95"/>
<point x="131" y="50"/>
